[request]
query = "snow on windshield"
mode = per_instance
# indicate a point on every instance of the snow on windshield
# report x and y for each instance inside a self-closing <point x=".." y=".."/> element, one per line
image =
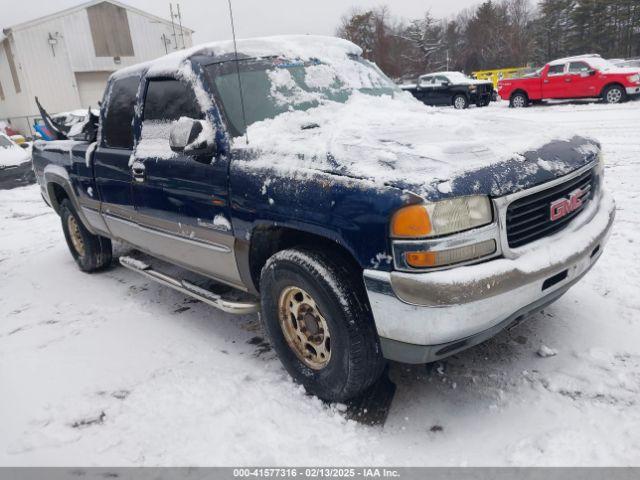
<point x="393" y="140"/>
<point x="275" y="86"/>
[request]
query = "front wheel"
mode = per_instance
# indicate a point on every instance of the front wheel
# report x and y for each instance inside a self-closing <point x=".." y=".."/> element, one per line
<point x="315" y="313"/>
<point x="614" y="94"/>
<point x="91" y="252"/>
<point x="519" y="100"/>
<point x="460" y="102"/>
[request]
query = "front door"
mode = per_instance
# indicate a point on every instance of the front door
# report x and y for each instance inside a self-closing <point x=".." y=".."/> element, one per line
<point x="111" y="161"/>
<point x="582" y="83"/>
<point x="441" y="92"/>
<point x="556" y="82"/>
<point x="182" y="199"/>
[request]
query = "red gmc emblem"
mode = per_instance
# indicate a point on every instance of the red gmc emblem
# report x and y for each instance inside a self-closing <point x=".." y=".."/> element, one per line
<point x="564" y="206"/>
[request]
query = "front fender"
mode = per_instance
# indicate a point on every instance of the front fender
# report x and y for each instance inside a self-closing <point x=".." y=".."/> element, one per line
<point x="351" y="212"/>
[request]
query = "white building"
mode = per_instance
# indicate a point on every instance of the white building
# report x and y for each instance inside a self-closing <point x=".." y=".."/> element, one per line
<point x="65" y="58"/>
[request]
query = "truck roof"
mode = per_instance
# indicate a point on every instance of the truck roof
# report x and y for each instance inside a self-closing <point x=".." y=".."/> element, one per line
<point x="575" y="57"/>
<point x="302" y="47"/>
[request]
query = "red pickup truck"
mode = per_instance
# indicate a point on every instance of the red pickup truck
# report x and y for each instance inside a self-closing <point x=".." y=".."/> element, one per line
<point x="587" y="76"/>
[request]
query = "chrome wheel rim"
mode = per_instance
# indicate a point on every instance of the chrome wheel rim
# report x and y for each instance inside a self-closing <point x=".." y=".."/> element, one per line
<point x="518" y="101"/>
<point x="304" y="327"/>
<point x="614" y="95"/>
<point x="76" y="236"/>
<point x="459" y="103"/>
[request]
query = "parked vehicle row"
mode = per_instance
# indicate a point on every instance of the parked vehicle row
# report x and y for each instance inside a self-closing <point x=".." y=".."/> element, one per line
<point x="583" y="76"/>
<point x="355" y="219"/>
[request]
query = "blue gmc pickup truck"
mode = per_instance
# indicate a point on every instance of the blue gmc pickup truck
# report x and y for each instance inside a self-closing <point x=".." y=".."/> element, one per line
<point x="360" y="223"/>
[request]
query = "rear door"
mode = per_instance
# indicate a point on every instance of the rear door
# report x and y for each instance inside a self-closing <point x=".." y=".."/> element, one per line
<point x="111" y="159"/>
<point x="441" y="92"/>
<point x="423" y="90"/>
<point x="582" y="82"/>
<point x="182" y="199"/>
<point x="556" y="84"/>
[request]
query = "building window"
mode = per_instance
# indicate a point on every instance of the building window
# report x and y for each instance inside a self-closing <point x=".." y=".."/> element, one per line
<point x="110" y="30"/>
<point x="12" y="66"/>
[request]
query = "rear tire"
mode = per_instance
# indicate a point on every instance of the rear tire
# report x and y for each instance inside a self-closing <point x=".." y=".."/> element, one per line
<point x="315" y="312"/>
<point x="519" y="100"/>
<point x="614" y="94"/>
<point x="91" y="252"/>
<point x="460" y="102"/>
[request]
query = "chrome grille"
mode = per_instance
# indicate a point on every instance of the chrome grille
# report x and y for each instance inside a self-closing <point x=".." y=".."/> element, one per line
<point x="529" y="218"/>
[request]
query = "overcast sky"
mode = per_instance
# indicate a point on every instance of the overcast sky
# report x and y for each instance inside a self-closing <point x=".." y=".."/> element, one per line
<point x="210" y="19"/>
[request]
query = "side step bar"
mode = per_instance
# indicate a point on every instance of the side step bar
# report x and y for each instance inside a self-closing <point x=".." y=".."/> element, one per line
<point x="188" y="288"/>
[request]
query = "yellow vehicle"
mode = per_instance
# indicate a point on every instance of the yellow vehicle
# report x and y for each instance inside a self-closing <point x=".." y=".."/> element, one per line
<point x="499" y="74"/>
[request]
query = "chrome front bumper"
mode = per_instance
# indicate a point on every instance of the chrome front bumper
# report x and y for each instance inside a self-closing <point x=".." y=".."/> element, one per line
<point x="633" y="90"/>
<point x="421" y="317"/>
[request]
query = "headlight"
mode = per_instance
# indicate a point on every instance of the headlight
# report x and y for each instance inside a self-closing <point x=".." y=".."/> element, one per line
<point x="634" y="78"/>
<point x="441" y="218"/>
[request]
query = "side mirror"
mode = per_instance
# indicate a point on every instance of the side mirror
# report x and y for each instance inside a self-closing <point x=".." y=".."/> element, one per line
<point x="592" y="72"/>
<point x="445" y="84"/>
<point x="192" y="137"/>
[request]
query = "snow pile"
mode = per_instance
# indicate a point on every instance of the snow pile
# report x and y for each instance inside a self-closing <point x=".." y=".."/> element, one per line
<point x="545" y="351"/>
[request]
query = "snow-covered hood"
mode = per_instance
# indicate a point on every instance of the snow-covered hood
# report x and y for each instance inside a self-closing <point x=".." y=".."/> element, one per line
<point x="403" y="143"/>
<point x="12" y="156"/>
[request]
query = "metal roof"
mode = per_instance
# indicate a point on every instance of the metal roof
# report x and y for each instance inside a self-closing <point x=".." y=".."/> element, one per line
<point x="83" y="6"/>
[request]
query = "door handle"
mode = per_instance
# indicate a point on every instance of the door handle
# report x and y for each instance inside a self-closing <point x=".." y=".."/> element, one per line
<point x="568" y="80"/>
<point x="546" y="81"/>
<point x="138" y="171"/>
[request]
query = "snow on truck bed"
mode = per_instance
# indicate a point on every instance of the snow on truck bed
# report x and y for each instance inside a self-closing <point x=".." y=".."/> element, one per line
<point x="125" y="372"/>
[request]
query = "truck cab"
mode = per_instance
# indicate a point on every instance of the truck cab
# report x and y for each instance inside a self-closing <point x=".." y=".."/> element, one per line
<point x="451" y="88"/>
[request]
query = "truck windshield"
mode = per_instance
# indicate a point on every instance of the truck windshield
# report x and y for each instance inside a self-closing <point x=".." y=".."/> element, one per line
<point x="276" y="85"/>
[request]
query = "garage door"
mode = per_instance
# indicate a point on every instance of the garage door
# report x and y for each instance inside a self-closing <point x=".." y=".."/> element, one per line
<point x="91" y="86"/>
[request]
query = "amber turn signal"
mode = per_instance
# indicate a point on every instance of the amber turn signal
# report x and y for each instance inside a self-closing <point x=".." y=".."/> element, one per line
<point x="411" y="222"/>
<point x="421" y="259"/>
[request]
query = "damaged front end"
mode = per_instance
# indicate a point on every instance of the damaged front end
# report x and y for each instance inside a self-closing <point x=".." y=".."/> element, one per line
<point x="57" y="129"/>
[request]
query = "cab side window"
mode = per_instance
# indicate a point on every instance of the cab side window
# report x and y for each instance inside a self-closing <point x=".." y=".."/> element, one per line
<point x="168" y="100"/>
<point x="426" y="81"/>
<point x="579" y="67"/>
<point x="556" y="70"/>
<point x="117" y="128"/>
<point x="439" y="80"/>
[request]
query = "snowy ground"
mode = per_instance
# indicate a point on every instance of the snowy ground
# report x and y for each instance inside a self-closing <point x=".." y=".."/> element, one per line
<point x="110" y="369"/>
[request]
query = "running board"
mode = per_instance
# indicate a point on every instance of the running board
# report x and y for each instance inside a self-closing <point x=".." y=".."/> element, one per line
<point x="188" y="288"/>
